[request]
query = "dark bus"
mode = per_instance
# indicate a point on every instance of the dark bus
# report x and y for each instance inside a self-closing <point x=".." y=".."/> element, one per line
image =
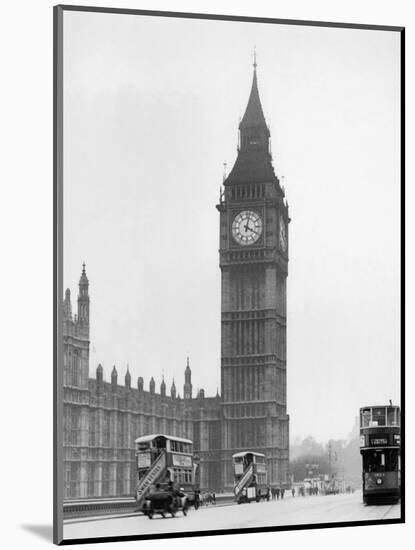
<point x="380" y="446"/>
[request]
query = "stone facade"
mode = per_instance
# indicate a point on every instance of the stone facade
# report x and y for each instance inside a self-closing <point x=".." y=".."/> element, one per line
<point x="102" y="419"/>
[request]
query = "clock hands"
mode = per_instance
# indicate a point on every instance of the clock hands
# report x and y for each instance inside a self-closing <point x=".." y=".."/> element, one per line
<point x="247" y="227"/>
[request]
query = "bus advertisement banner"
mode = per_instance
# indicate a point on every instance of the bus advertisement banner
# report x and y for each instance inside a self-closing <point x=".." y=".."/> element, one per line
<point x="182" y="461"/>
<point x="143" y="460"/>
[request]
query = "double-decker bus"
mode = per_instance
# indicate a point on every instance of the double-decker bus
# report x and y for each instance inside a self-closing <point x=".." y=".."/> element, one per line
<point x="250" y="476"/>
<point x="380" y="446"/>
<point x="162" y="458"/>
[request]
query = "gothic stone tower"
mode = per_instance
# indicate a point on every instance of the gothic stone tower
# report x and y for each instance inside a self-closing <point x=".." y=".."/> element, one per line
<point x="254" y="264"/>
<point x="76" y="337"/>
<point x="76" y="391"/>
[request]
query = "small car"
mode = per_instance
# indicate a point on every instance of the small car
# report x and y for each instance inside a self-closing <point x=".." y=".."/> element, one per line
<point x="164" y="501"/>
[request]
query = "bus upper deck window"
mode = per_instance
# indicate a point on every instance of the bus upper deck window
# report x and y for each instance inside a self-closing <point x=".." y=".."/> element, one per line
<point x="398" y="416"/>
<point x="391" y="416"/>
<point x="379" y="416"/>
<point x="365" y="418"/>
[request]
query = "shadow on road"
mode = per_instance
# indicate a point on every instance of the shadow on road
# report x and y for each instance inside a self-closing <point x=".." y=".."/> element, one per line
<point x="42" y="531"/>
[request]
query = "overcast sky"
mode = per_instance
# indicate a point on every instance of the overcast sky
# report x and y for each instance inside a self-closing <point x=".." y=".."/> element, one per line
<point x="151" y="109"/>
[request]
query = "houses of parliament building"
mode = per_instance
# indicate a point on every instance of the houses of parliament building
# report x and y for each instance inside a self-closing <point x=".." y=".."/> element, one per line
<point x="102" y="419"/>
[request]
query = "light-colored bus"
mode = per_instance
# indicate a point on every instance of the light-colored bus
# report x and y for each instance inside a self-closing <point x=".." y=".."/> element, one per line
<point x="164" y="458"/>
<point x="250" y="476"/>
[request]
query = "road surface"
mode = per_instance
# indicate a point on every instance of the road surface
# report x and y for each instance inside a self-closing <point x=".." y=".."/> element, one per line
<point x="290" y="511"/>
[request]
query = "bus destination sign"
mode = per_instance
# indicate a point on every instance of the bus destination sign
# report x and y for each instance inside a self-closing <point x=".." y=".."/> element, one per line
<point x="377" y="441"/>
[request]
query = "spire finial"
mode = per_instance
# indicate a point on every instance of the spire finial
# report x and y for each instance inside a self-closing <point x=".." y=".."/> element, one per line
<point x="187" y="364"/>
<point x="255" y="63"/>
<point x="83" y="268"/>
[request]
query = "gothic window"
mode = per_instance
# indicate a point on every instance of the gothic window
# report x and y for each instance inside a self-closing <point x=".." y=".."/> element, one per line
<point x="119" y="431"/>
<point x="67" y="480"/>
<point x="133" y="479"/>
<point x="66" y="424"/>
<point x="90" y="480"/>
<point x="73" y="483"/>
<point x="196" y="435"/>
<point x="106" y="480"/>
<point x="106" y="429"/>
<point x="92" y="428"/>
<point x="119" y="484"/>
<point x="125" y="430"/>
<point x="75" y="426"/>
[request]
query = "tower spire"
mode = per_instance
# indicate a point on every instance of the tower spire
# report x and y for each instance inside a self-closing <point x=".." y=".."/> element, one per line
<point x="83" y="302"/>
<point x="254" y="161"/>
<point x="254" y="115"/>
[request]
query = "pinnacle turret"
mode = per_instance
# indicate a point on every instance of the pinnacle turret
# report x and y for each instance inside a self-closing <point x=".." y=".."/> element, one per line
<point x="163" y="388"/>
<point x="187" y="388"/>
<point x="114" y="378"/>
<point x="67" y="306"/>
<point x="100" y="374"/>
<point x="83" y="302"/>
<point x="128" y="379"/>
<point x="173" y="389"/>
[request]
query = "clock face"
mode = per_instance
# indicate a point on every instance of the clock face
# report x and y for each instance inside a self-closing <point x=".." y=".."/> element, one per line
<point x="283" y="235"/>
<point x="247" y="227"/>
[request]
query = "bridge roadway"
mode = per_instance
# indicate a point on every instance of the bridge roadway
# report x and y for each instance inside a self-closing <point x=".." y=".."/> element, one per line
<point x="289" y="511"/>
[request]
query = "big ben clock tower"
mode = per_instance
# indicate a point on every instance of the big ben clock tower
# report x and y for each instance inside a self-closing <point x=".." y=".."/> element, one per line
<point x="254" y="264"/>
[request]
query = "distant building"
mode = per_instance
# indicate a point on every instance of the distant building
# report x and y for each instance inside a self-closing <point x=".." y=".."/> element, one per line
<point x="103" y="418"/>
